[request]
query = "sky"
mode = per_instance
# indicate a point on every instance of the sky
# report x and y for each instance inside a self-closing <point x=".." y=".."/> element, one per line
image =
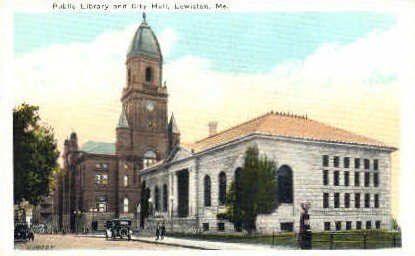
<point x="341" y="68"/>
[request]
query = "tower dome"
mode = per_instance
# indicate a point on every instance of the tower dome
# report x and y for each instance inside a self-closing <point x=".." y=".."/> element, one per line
<point x="144" y="42"/>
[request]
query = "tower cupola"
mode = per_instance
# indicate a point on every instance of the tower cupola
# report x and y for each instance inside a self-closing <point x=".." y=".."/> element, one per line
<point x="144" y="42"/>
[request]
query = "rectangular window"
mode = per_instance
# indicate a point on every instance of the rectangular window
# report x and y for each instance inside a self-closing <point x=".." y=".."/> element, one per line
<point x="368" y="224"/>
<point x="375" y="164"/>
<point x="348" y="225"/>
<point x="287" y="226"/>
<point x="367" y="164"/>
<point x="376" y="179"/>
<point x="346" y="178"/>
<point x="125" y="181"/>
<point x="377" y="224"/>
<point x="325" y="177"/>
<point x="336" y="200"/>
<point x="347" y="200"/>
<point x="336" y="161"/>
<point x="346" y="162"/>
<point x="367" y="200"/>
<point x="102" y="206"/>
<point x="357" y="200"/>
<point x="221" y="226"/>
<point x="338" y="225"/>
<point x="336" y="178"/>
<point x="376" y="200"/>
<point x="367" y="179"/>
<point x="358" y="225"/>
<point x="357" y="179"/>
<point x="326" y="200"/>
<point x="205" y="226"/>
<point x="356" y="163"/>
<point x="327" y="226"/>
<point x="101" y="179"/>
<point x="325" y="160"/>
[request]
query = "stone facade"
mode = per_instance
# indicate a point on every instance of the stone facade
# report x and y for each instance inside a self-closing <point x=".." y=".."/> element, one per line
<point x="304" y="157"/>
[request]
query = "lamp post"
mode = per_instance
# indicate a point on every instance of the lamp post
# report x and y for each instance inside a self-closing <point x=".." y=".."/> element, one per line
<point x="93" y="211"/>
<point x="77" y="215"/>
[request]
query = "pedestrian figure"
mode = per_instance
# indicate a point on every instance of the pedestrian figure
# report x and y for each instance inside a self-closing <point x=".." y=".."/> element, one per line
<point x="163" y="230"/>
<point x="158" y="231"/>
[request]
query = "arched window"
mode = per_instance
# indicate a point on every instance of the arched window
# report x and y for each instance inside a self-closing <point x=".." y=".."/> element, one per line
<point x="157" y="199"/>
<point x="149" y="158"/>
<point x="125" y="204"/>
<point x="207" y="186"/>
<point x="149" y="74"/>
<point x="222" y="188"/>
<point x="165" y="197"/>
<point x="284" y="185"/>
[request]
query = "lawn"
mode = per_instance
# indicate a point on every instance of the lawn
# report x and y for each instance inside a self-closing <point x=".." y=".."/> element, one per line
<point x="321" y="240"/>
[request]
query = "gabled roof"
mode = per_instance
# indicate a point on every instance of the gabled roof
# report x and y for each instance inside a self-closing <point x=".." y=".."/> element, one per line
<point x="285" y="125"/>
<point x="100" y="148"/>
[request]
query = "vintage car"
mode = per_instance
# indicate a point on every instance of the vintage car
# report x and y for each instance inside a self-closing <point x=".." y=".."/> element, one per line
<point x="118" y="228"/>
<point x="22" y="232"/>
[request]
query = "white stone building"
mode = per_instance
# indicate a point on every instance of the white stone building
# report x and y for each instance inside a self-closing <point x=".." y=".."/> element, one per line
<point x="345" y="177"/>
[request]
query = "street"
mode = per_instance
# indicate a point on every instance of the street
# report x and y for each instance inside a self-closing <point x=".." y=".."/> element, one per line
<point x="42" y="242"/>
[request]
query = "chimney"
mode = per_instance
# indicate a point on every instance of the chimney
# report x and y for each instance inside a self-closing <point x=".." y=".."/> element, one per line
<point x="213" y="125"/>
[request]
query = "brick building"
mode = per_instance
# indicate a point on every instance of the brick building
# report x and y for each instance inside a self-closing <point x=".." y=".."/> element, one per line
<point x="100" y="180"/>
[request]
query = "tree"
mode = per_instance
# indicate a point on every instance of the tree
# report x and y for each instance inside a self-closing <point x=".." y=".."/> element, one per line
<point x="35" y="154"/>
<point x="252" y="193"/>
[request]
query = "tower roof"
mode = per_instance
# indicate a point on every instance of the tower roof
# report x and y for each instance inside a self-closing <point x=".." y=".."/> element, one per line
<point x="172" y="127"/>
<point x="123" y="122"/>
<point x="144" y="42"/>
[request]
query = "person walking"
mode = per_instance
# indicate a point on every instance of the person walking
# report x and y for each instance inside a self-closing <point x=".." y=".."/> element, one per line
<point x="158" y="231"/>
<point x="163" y="230"/>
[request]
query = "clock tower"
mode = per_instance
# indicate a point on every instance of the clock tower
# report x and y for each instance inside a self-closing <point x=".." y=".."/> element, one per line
<point x="142" y="130"/>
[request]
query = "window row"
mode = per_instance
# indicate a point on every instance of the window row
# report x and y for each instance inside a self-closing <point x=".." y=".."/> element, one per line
<point x="101" y="165"/>
<point x="346" y="178"/>
<point x="346" y="162"/>
<point x="338" y="225"/>
<point x="208" y="189"/>
<point x="163" y="205"/>
<point x="101" y="204"/>
<point x="220" y="226"/>
<point x="347" y="200"/>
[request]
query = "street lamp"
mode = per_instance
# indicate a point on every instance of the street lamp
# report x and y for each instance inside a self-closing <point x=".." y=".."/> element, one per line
<point x="77" y="216"/>
<point x="93" y="211"/>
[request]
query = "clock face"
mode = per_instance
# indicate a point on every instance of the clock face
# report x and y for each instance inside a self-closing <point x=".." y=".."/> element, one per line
<point x="150" y="105"/>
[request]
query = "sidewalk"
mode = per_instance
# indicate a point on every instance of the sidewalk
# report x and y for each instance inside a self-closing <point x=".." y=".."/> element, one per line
<point x="209" y="245"/>
<point x="202" y="245"/>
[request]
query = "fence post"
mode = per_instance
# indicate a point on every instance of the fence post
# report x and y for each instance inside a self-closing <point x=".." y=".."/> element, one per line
<point x="272" y="238"/>
<point x="364" y="241"/>
<point x="331" y="241"/>
<point x="394" y="240"/>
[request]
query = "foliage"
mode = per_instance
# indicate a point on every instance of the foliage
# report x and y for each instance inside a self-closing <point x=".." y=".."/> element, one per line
<point x="35" y="154"/>
<point x="252" y="193"/>
<point x="395" y="224"/>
